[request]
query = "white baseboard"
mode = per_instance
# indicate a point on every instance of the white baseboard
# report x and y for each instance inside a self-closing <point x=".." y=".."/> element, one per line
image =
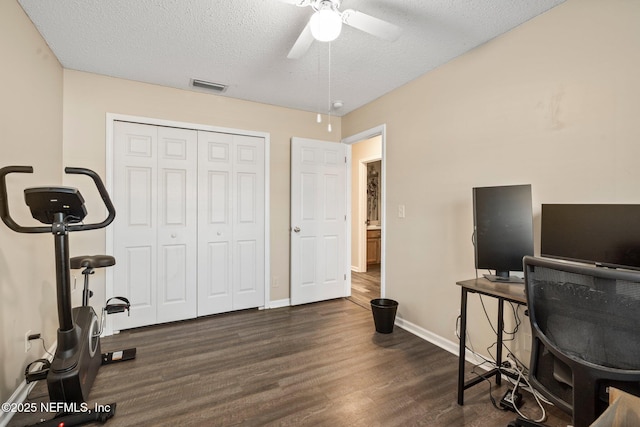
<point x="443" y="343"/>
<point x="18" y="396"/>
<point x="23" y="390"/>
<point x="280" y="303"/>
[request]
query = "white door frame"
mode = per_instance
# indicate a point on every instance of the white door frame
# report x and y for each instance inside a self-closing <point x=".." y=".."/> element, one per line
<point x="381" y="131"/>
<point x="111" y="118"/>
<point x="362" y="209"/>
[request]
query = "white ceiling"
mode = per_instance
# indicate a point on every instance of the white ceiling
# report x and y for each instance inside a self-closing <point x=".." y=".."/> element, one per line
<point x="244" y="44"/>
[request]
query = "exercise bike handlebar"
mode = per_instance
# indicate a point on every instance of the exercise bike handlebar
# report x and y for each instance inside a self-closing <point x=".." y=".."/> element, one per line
<point x="5" y="215"/>
<point x="103" y="194"/>
<point x="4" y="202"/>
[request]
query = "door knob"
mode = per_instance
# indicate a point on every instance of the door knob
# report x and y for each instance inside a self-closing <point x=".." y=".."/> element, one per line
<point x="173" y="235"/>
<point x="296" y="229"/>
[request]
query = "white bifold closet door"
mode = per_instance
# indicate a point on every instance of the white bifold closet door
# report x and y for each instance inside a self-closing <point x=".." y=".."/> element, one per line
<point x="189" y="229"/>
<point x="230" y="222"/>
<point x="155" y="230"/>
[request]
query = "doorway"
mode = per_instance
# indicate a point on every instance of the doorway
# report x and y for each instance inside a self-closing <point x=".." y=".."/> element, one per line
<point x="367" y="215"/>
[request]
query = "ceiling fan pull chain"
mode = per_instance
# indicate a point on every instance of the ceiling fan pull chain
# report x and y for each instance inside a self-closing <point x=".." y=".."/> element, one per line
<point x="329" y="91"/>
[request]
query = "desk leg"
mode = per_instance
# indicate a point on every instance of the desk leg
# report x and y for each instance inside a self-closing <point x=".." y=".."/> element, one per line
<point x="499" y="339"/>
<point x="463" y="343"/>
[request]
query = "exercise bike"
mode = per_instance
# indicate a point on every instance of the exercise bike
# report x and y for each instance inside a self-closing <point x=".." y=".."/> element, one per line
<point x="113" y="305"/>
<point x="77" y="358"/>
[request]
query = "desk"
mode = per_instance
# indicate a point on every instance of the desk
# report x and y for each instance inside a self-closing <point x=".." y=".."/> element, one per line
<point x="511" y="292"/>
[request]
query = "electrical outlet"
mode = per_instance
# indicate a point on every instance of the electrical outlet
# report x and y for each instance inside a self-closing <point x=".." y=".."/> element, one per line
<point x="27" y="342"/>
<point x="401" y="211"/>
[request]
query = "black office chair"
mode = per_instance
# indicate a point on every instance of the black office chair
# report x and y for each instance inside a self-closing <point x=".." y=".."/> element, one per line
<point x="585" y="325"/>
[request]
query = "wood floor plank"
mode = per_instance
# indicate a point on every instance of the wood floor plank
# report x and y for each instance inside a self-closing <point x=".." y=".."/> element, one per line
<point x="365" y="286"/>
<point x="319" y="364"/>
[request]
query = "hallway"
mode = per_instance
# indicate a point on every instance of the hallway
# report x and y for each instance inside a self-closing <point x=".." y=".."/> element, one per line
<point x="365" y="286"/>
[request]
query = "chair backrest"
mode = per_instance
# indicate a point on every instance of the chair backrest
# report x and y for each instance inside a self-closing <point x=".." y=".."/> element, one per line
<point x="585" y="325"/>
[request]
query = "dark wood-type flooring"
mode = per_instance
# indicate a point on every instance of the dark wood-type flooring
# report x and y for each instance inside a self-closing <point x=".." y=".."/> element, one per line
<point x="365" y="286"/>
<point x="319" y="364"/>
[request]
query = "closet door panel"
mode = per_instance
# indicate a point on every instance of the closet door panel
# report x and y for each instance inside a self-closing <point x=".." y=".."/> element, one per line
<point x="177" y="224"/>
<point x="219" y="258"/>
<point x="173" y="260"/>
<point x="215" y="228"/>
<point x="246" y="259"/>
<point x="134" y="228"/>
<point x="248" y="222"/>
<point x="140" y="261"/>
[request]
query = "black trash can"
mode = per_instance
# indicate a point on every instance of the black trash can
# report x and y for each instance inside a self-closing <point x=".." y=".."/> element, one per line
<point x="384" y="314"/>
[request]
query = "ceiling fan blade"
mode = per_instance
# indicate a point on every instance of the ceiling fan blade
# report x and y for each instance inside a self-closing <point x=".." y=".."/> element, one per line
<point x="369" y="24"/>
<point x="300" y="3"/>
<point x="303" y="43"/>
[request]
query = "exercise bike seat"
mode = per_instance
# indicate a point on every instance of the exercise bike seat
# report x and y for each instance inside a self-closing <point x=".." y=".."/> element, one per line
<point x="91" y="261"/>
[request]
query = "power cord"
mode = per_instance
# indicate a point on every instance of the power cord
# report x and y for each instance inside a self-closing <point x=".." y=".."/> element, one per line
<point x="44" y="346"/>
<point x="535" y="395"/>
<point x="522" y="382"/>
<point x="520" y="372"/>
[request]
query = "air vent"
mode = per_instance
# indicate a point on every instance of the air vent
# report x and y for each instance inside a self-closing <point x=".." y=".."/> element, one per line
<point x="216" y="87"/>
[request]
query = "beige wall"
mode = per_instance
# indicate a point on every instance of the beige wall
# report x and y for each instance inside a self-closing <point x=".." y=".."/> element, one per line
<point x="362" y="151"/>
<point x="89" y="97"/>
<point x="554" y="103"/>
<point x="30" y="134"/>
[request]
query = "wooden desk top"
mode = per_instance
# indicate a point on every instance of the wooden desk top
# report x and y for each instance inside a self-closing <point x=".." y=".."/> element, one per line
<point x="509" y="291"/>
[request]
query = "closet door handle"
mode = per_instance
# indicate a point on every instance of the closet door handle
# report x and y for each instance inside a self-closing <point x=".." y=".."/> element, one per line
<point x="296" y="229"/>
<point x="173" y="235"/>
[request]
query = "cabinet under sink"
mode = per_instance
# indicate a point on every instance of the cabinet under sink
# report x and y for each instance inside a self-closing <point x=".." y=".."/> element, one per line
<point x="373" y="244"/>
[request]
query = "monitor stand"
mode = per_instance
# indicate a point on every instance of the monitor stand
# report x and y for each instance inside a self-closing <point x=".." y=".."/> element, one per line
<point x="503" y="279"/>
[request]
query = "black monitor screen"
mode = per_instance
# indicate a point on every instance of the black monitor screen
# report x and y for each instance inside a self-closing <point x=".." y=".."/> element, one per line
<point x="608" y="235"/>
<point x="503" y="229"/>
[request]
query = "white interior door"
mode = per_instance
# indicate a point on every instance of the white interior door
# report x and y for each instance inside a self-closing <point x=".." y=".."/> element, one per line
<point x="231" y="222"/>
<point x="318" y="220"/>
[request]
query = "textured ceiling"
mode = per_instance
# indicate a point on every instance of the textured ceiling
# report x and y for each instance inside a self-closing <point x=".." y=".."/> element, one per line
<point x="244" y="44"/>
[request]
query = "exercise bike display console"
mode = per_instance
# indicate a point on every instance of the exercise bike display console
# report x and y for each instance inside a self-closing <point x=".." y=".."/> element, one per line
<point x="77" y="358"/>
<point x="45" y="202"/>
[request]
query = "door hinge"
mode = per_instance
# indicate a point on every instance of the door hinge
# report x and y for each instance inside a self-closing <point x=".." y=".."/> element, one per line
<point x="345" y="159"/>
<point x="345" y="277"/>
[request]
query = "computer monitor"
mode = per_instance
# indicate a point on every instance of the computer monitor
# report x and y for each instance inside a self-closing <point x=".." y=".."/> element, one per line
<point x="603" y="234"/>
<point x="503" y="229"/>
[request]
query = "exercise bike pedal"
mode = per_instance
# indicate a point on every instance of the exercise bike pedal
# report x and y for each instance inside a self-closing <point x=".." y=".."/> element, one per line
<point x="118" y="307"/>
<point x="37" y="374"/>
<point x="118" y="356"/>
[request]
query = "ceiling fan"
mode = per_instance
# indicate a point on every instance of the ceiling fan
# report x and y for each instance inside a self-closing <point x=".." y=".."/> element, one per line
<point x="326" y="22"/>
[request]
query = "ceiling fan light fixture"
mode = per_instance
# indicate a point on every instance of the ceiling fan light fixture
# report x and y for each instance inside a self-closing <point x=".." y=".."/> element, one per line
<point x="326" y="25"/>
